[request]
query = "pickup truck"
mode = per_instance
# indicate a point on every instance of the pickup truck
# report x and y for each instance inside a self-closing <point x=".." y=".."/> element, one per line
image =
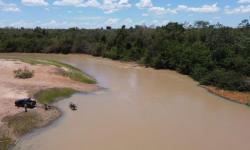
<point x="25" y="103"/>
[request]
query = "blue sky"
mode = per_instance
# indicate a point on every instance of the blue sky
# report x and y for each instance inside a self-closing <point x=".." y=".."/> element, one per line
<point x="101" y="13"/>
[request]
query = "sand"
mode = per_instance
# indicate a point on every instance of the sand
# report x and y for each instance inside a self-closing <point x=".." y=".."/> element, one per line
<point x="44" y="77"/>
<point x="239" y="97"/>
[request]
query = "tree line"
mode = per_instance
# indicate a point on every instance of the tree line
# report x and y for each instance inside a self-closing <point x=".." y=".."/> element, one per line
<point x="214" y="55"/>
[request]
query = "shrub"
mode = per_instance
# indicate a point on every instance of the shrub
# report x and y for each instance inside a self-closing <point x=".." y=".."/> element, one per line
<point x="5" y="142"/>
<point x="22" y="123"/>
<point x="23" y="73"/>
<point x="228" y="80"/>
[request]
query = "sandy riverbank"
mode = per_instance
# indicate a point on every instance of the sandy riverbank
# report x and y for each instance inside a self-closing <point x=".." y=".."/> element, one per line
<point x="45" y="76"/>
<point x="239" y="97"/>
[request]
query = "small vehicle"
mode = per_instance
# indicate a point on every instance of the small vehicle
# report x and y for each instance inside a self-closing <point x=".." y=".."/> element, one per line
<point x="25" y="103"/>
<point x="73" y="106"/>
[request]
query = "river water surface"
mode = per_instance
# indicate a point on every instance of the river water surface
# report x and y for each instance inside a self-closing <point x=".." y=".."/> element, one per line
<point x="142" y="109"/>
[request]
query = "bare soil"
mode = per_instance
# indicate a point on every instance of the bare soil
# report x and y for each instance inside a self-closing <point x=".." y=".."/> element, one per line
<point x="44" y="77"/>
<point x="239" y="97"/>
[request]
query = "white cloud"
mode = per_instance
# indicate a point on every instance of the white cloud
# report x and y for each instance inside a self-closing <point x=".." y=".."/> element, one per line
<point x="55" y="24"/>
<point x="87" y="18"/>
<point x="117" y="23"/>
<point x="158" y="23"/>
<point x="92" y="3"/>
<point x="108" y="6"/>
<point x="144" y="4"/>
<point x="112" y="21"/>
<point x="83" y="21"/>
<point x="35" y="2"/>
<point x="147" y="4"/>
<point x="243" y="1"/>
<point x="22" y="23"/>
<point x="157" y="10"/>
<point x="77" y="3"/>
<point x="128" y="22"/>
<point x="238" y="10"/>
<point x="52" y="22"/>
<point x="216" y="17"/>
<point x="9" y="7"/>
<point x="68" y="2"/>
<point x="203" y="9"/>
<point x="161" y="10"/>
<point x="154" y="23"/>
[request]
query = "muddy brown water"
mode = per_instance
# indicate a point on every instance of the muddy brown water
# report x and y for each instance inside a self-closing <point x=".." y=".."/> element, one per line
<point x="142" y="109"/>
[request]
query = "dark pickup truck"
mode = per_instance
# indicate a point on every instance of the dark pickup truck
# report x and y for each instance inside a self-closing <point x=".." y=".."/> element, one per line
<point x="25" y="103"/>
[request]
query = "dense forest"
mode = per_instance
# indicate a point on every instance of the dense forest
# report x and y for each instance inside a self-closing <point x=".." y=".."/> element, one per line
<point x="211" y="54"/>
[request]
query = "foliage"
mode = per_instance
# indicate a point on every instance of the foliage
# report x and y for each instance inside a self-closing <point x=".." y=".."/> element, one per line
<point x="23" y="122"/>
<point x="48" y="96"/>
<point x="212" y="54"/>
<point x="65" y="69"/>
<point x="5" y="142"/>
<point x="23" y="73"/>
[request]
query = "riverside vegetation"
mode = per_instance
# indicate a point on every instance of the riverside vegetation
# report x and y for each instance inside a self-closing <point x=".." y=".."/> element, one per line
<point x="214" y="55"/>
<point x="23" y="73"/>
<point x="66" y="70"/>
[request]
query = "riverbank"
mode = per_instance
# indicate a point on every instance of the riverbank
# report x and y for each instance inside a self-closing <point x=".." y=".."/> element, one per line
<point x="142" y="108"/>
<point x="235" y="96"/>
<point x="239" y="97"/>
<point x="49" y="78"/>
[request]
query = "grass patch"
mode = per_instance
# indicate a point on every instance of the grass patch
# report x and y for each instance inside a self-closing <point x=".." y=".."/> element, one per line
<point x="5" y="142"/>
<point x="51" y="95"/>
<point x="76" y="76"/>
<point x="24" y="122"/>
<point x="67" y="70"/>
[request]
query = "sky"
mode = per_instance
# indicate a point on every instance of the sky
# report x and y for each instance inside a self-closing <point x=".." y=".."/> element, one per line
<point x="115" y="13"/>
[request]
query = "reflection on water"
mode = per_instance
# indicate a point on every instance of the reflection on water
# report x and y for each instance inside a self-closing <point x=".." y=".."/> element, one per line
<point x="142" y="109"/>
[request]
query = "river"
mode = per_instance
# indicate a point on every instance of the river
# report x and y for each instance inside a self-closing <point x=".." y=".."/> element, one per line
<point x="142" y="109"/>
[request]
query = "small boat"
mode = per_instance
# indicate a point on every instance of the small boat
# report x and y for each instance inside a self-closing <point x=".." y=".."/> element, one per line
<point x="73" y="106"/>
